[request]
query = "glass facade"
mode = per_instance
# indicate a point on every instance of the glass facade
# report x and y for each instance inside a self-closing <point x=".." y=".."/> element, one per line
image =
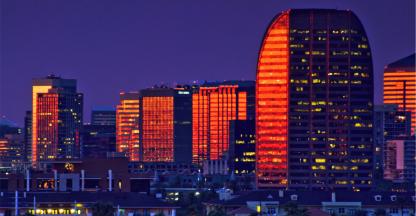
<point x="400" y="86"/>
<point x="272" y="105"/>
<point x="214" y="105"/>
<point x="127" y="125"/>
<point x="155" y="125"/>
<point x="314" y="102"/>
<point x="242" y="152"/>
<point x="56" y="119"/>
<point x="158" y="134"/>
<point x="390" y="123"/>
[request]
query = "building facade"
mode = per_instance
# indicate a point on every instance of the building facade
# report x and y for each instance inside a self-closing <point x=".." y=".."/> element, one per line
<point x="103" y="116"/>
<point x="166" y="124"/>
<point x="314" y="102"/>
<point x="390" y="123"/>
<point x="28" y="136"/>
<point x="157" y="125"/>
<point x="127" y="125"/>
<point x="399" y="85"/>
<point x="242" y="152"/>
<point x="213" y="106"/>
<point x="56" y="119"/>
<point x="98" y="140"/>
<point x="12" y="152"/>
<point x="399" y="159"/>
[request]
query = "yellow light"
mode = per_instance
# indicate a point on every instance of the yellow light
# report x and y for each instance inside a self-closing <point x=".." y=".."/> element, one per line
<point x="320" y="160"/>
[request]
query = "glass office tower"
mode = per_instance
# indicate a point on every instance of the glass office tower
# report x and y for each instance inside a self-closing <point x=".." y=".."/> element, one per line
<point x="314" y="92"/>
<point x="56" y="119"/>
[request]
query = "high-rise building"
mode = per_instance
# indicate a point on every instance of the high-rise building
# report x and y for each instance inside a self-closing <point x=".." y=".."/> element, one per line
<point x="127" y="125"/>
<point x="166" y="124"/>
<point x="97" y="140"/>
<point x="400" y="85"/>
<point x="28" y="136"/>
<point x="155" y="125"/>
<point x="390" y="123"/>
<point x="103" y="116"/>
<point x="314" y="102"/>
<point x="242" y="151"/>
<point x="56" y="119"/>
<point x="214" y="105"/>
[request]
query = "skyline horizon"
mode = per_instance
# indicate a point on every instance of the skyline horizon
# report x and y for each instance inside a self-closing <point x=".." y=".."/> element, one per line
<point x="117" y="59"/>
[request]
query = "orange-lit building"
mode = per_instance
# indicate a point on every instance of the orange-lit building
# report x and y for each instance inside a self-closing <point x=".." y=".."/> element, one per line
<point x="56" y="119"/>
<point x="214" y="105"/>
<point x="166" y="124"/>
<point x="127" y="125"/>
<point x="314" y="102"/>
<point x="155" y="125"/>
<point x="400" y="85"/>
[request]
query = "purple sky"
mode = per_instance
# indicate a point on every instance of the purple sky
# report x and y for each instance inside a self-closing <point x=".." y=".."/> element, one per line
<point x="114" y="45"/>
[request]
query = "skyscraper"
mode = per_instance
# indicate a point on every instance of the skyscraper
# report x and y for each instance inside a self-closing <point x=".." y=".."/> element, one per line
<point x="167" y="124"/>
<point x="314" y="101"/>
<point x="56" y="119"/>
<point x="28" y="136"/>
<point x="214" y="105"/>
<point x="127" y="125"/>
<point x="400" y="85"/>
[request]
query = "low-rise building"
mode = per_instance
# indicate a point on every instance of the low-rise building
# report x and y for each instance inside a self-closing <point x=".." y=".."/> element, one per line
<point x="82" y="203"/>
<point x="342" y="203"/>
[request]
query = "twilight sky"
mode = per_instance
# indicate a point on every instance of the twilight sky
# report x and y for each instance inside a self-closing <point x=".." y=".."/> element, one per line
<point x="111" y="45"/>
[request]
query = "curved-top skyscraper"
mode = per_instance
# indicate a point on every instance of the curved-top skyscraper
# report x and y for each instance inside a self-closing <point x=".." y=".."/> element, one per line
<point x="314" y="92"/>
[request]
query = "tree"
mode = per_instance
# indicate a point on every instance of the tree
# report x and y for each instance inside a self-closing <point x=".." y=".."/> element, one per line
<point x="102" y="209"/>
<point x="380" y="212"/>
<point x="360" y="213"/>
<point x="292" y="209"/>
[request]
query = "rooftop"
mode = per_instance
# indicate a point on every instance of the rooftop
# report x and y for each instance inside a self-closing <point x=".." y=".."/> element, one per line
<point x="406" y="63"/>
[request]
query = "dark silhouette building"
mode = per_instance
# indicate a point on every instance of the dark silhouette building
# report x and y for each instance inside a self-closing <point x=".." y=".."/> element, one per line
<point x="314" y="102"/>
<point x="103" y="116"/>
<point x="390" y="123"/>
<point x="97" y="140"/>
<point x="28" y="136"/>
<point x="242" y="151"/>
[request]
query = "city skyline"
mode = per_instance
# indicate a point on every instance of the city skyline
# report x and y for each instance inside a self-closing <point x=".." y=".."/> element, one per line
<point x="202" y="44"/>
<point x="212" y="108"/>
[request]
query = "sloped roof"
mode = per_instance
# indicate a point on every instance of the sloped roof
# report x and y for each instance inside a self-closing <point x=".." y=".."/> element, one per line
<point x="406" y="63"/>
